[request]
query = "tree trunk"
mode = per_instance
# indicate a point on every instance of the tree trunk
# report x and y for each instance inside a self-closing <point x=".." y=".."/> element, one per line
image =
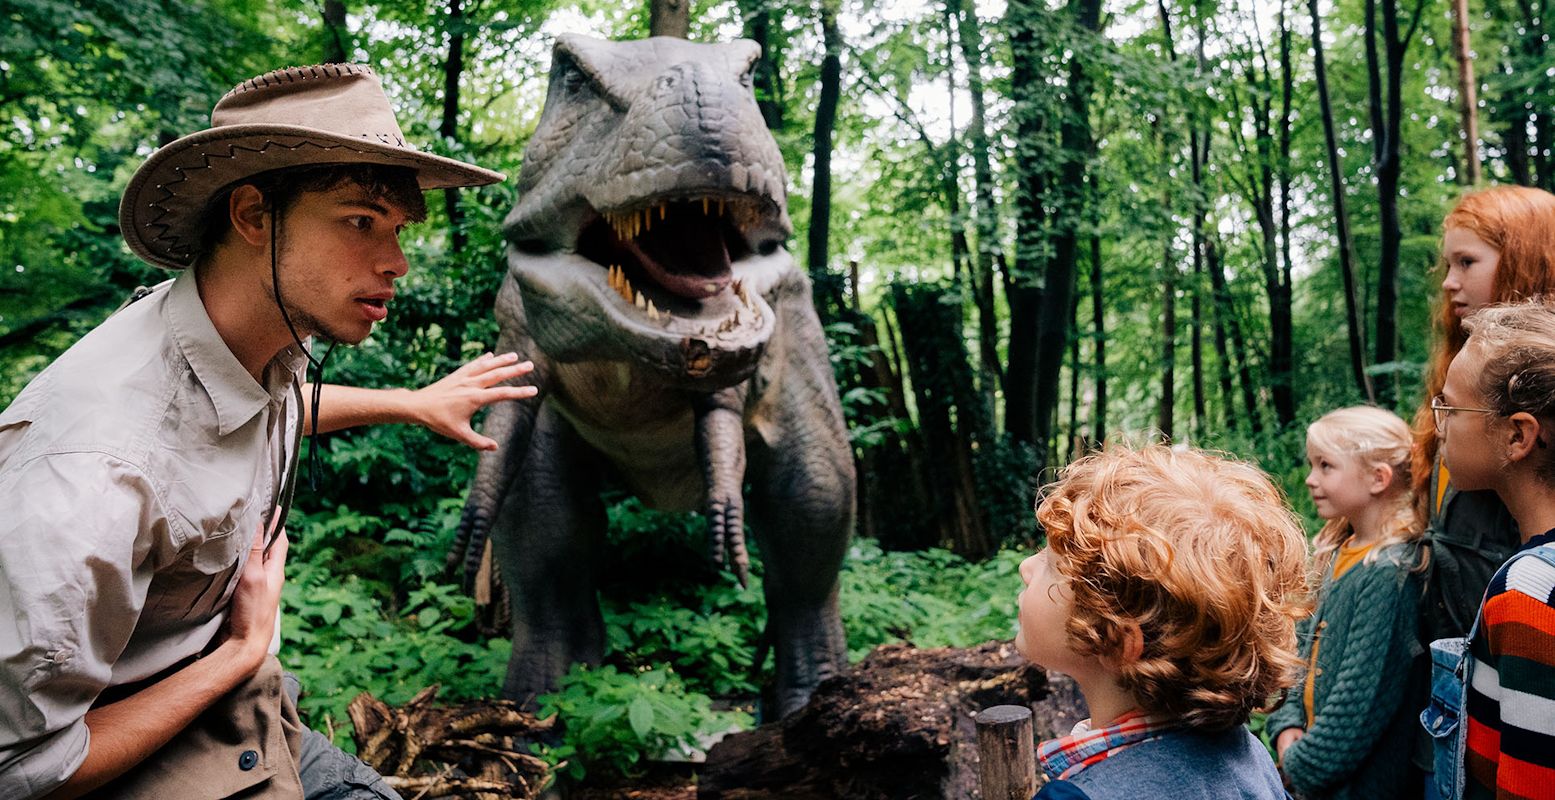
<point x="1341" y="221"/>
<point x="989" y="249"/>
<point x="1468" y="94"/>
<point x="1099" y="344"/>
<point x="960" y="251"/>
<point x="1027" y="26"/>
<point x="335" y="32"/>
<point x="1075" y="444"/>
<point x="1075" y="148"/>
<point x="453" y="69"/>
<point x="1283" y="338"/>
<point x="767" y="78"/>
<point x="1225" y="313"/>
<point x="1166" y="411"/>
<point x="1386" y="116"/>
<point x="669" y="18"/>
<point x="825" y="121"/>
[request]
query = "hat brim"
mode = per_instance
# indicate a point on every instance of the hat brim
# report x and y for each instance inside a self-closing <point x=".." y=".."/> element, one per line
<point x="159" y="215"/>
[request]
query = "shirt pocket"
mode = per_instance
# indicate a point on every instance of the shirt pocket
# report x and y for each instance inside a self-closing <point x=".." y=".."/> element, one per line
<point x="200" y="582"/>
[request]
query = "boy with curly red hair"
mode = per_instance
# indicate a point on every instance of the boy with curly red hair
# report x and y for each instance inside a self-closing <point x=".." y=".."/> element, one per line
<point x="1169" y="590"/>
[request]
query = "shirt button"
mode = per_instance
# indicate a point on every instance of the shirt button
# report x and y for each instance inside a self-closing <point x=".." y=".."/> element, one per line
<point x="247" y="761"/>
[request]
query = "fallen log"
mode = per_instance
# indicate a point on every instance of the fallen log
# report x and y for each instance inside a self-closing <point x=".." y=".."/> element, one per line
<point x="478" y="751"/>
<point x="898" y="726"/>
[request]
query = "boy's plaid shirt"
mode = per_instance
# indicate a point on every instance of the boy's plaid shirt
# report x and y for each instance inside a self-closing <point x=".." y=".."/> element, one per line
<point x="1065" y="756"/>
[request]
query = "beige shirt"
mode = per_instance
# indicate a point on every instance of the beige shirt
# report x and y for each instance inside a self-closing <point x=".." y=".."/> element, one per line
<point x="135" y="472"/>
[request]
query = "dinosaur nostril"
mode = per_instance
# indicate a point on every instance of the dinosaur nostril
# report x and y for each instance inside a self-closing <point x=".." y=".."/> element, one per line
<point x="666" y="82"/>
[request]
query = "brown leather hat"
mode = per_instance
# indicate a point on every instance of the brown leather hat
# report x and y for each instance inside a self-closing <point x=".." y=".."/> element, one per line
<point x="327" y="114"/>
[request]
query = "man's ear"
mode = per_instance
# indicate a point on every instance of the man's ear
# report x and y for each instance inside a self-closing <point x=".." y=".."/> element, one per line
<point x="1381" y="479"/>
<point x="1526" y="436"/>
<point x="250" y="215"/>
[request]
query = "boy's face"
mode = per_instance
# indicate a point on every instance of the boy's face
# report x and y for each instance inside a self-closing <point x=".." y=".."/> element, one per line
<point x="339" y="257"/>
<point x="1340" y="486"/>
<point x="1046" y="604"/>
<point x="1467" y="446"/>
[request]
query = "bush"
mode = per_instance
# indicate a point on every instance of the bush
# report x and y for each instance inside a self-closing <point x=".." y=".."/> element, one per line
<point x="613" y="720"/>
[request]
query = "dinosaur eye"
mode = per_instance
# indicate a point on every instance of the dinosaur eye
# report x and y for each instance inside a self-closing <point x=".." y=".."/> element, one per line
<point x="574" y="82"/>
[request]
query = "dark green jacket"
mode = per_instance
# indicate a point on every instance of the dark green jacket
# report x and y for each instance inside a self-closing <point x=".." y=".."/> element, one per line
<point x="1360" y="742"/>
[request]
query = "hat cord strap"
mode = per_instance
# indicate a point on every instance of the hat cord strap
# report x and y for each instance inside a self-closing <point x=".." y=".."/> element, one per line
<point x="316" y="365"/>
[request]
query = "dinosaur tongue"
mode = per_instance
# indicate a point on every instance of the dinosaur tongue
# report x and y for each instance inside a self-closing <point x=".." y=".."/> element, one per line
<point x="685" y="256"/>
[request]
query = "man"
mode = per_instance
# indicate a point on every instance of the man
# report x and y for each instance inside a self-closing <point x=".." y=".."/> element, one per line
<point x="145" y="475"/>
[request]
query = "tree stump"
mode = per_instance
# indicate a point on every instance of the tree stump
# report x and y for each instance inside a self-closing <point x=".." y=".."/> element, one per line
<point x="478" y="750"/>
<point x="899" y="726"/>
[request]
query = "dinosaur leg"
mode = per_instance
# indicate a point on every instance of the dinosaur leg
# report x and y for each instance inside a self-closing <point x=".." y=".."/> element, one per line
<point x="720" y="435"/>
<point x="547" y="538"/>
<point x="801" y="508"/>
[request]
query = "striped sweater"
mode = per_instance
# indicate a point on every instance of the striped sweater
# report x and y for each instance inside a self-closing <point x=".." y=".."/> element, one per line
<point x="1511" y="697"/>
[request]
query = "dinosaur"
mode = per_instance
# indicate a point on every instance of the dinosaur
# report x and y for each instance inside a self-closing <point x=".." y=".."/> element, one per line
<point x="676" y="346"/>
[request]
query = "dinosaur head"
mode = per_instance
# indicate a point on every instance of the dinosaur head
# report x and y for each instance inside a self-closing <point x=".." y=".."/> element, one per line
<point x="652" y="210"/>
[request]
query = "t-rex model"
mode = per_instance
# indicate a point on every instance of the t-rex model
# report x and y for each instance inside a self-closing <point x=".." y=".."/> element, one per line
<point x="675" y="345"/>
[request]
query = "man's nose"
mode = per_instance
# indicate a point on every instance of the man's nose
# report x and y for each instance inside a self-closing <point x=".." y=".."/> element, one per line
<point x="395" y="265"/>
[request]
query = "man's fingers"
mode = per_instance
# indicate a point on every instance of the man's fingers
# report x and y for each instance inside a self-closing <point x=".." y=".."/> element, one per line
<point x="502" y="374"/>
<point x="278" y="548"/>
<point x="501" y="393"/>
<point x="487" y="363"/>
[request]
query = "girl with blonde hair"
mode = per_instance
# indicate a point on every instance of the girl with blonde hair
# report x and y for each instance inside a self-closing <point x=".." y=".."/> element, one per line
<point x="1351" y="730"/>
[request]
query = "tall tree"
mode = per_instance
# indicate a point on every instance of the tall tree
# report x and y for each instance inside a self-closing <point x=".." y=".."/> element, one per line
<point x="1166" y="410"/>
<point x="448" y="128"/>
<point x="763" y="25"/>
<point x="335" y="32"/>
<point x="669" y="18"/>
<point x="1386" y="128"/>
<point x="1341" y="220"/>
<point x="1098" y="344"/>
<point x="990" y="252"/>
<point x="1075" y="146"/>
<point x="825" y="123"/>
<point x="1260" y="178"/>
<point x="1027" y="22"/>
<point x="1468" y="94"/>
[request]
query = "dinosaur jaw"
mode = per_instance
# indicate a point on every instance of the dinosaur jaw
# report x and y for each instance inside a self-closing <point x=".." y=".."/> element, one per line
<point x="672" y="258"/>
<point x="578" y="312"/>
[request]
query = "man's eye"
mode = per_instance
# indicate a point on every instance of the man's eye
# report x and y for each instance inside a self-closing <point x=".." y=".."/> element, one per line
<point x="360" y="223"/>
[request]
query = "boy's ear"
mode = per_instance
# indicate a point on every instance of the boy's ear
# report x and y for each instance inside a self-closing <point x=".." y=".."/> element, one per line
<point x="1133" y="641"/>
<point x="1526" y="436"/>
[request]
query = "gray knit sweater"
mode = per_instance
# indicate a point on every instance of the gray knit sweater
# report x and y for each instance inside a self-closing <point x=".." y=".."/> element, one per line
<point x="1360" y="741"/>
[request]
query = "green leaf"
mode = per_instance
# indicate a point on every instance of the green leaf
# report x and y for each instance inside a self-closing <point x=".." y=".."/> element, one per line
<point x="641" y="717"/>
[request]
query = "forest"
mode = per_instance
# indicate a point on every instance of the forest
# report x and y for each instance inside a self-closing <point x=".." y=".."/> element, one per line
<point x="1032" y="227"/>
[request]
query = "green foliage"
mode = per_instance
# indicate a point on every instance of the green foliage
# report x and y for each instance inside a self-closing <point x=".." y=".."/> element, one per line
<point x="614" y="720"/>
<point x="931" y="598"/>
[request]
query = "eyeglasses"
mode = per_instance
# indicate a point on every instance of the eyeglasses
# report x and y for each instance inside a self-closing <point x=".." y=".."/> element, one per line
<point x="1440" y="411"/>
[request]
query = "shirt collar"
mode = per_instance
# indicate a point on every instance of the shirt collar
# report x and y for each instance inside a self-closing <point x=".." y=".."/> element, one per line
<point x="1065" y="756"/>
<point x="235" y="394"/>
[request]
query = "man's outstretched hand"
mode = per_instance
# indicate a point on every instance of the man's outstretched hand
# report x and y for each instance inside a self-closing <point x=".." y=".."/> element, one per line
<point x="448" y="405"/>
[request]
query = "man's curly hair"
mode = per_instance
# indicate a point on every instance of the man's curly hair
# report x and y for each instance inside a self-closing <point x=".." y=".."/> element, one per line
<point x="1199" y="551"/>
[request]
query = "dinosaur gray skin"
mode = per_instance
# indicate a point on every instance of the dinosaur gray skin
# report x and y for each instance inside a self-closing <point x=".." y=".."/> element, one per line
<point x="675" y="346"/>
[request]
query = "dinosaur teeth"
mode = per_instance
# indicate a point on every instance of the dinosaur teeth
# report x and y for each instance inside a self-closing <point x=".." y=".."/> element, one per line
<point x="653" y="313"/>
<point x="639" y="301"/>
<point x="704" y="206"/>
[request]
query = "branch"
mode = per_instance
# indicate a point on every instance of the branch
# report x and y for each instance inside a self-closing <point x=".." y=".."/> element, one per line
<point x="1413" y="24"/>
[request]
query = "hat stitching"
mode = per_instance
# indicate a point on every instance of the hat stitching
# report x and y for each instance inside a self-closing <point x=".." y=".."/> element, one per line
<point x="174" y="244"/>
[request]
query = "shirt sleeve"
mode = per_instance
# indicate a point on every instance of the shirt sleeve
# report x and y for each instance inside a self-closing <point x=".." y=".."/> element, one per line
<point x="1365" y="690"/>
<point x="77" y="540"/>
<point x="1520" y="630"/>
<point x="1290" y="714"/>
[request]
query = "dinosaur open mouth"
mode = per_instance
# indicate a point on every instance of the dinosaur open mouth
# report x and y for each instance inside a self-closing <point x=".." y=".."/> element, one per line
<point x="675" y="256"/>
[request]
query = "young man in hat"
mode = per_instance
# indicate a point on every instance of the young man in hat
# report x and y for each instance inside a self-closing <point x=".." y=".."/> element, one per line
<point x="145" y="475"/>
